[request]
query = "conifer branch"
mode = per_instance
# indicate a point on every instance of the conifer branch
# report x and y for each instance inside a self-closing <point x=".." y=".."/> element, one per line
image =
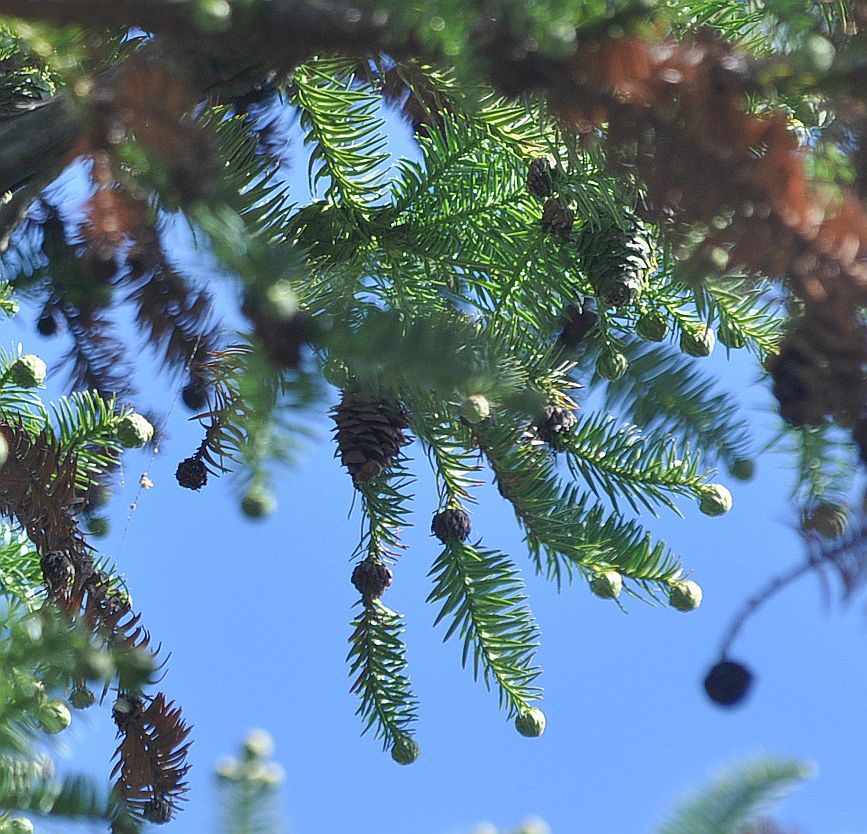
<point x="480" y="591"/>
<point x="341" y="124"/>
<point x="562" y="521"/>
<point x="644" y="469"/>
<point x="377" y="659"/>
<point x="662" y="391"/>
<point x="736" y="798"/>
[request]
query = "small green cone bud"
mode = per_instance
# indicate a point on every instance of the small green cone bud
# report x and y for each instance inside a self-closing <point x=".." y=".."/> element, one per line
<point x="699" y="342"/>
<point x="258" y="745"/>
<point x="54" y="717"/>
<point x="685" y="595"/>
<point x="272" y="776"/>
<point x="531" y="723"/>
<point x="611" y="365"/>
<point x="258" y="502"/>
<point x="81" y="698"/>
<point x="743" y="469"/>
<point x="405" y="750"/>
<point x="715" y="500"/>
<point x="827" y="519"/>
<point x="652" y="326"/>
<point x="133" y="431"/>
<point x="4" y="450"/>
<point x="229" y="770"/>
<point x="28" y="371"/>
<point x="607" y="585"/>
<point x="19" y="825"/>
<point x="475" y="408"/>
<point x="533" y="825"/>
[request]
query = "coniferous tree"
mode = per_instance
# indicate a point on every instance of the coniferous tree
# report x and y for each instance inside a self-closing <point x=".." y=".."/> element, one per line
<point x="604" y="194"/>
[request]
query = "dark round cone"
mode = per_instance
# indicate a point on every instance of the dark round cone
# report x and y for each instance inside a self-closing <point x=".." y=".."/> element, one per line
<point x="578" y="324"/>
<point x="369" y="434"/>
<point x="58" y="571"/>
<point x="283" y="339"/>
<point x="46" y="325"/>
<point x="554" y="423"/>
<point x="158" y="810"/>
<point x="192" y="473"/>
<point x="727" y="683"/>
<point x="195" y="394"/>
<point x="451" y="525"/>
<point x="798" y="384"/>
<point x="556" y="219"/>
<point x="371" y="579"/>
<point x="539" y="180"/>
<point x="127" y="710"/>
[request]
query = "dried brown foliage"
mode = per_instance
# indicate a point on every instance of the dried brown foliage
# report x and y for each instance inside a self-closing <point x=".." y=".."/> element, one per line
<point x="38" y="491"/>
<point x="152" y="751"/>
<point x="150" y="103"/>
<point x="677" y="116"/>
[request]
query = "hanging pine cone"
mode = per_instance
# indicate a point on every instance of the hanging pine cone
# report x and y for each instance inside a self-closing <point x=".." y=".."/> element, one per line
<point x="553" y="424"/>
<point x="451" y="525"/>
<point x="556" y="219"/>
<point x="577" y="324"/>
<point x="46" y="325"/>
<point x="192" y="473"/>
<point x="58" y="571"/>
<point x="127" y="710"/>
<point x="727" y="683"/>
<point x="819" y="371"/>
<point x="282" y="328"/>
<point x="158" y="810"/>
<point x="371" y="578"/>
<point x="799" y="384"/>
<point x="369" y="434"/>
<point x="195" y="393"/>
<point x="539" y="177"/>
<point x="618" y="263"/>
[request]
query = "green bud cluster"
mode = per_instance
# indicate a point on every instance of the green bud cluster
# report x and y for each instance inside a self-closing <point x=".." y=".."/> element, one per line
<point x="531" y="723"/>
<point x="133" y="431"/>
<point x="685" y="595"/>
<point x="715" y="500"/>
<point x="28" y="371"/>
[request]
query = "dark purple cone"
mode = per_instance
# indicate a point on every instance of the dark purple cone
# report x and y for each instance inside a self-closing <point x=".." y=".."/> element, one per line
<point x="539" y="180"/>
<point x="371" y="579"/>
<point x="195" y="394"/>
<point x="554" y="423"/>
<point x="727" y="683"/>
<point x="127" y="710"/>
<point x="451" y="525"/>
<point x="192" y="473"/>
<point x="556" y="219"/>
<point x="578" y="323"/>
<point x="158" y="810"/>
<point x="47" y="325"/>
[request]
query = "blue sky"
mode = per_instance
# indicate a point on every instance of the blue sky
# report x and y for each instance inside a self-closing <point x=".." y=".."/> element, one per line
<point x="256" y="617"/>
